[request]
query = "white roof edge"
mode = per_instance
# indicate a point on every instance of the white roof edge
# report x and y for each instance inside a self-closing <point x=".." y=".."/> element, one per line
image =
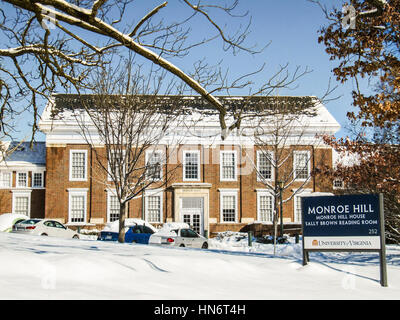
<point x="323" y="118"/>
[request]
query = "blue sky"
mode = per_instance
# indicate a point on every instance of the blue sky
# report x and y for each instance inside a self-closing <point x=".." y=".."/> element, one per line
<point x="292" y="28"/>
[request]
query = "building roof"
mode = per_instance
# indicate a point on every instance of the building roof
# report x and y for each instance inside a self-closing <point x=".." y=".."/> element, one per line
<point x="69" y="102"/>
<point x="24" y="153"/>
<point x="197" y="120"/>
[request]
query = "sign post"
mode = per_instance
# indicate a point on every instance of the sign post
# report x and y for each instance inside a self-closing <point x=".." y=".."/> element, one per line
<point x="345" y="223"/>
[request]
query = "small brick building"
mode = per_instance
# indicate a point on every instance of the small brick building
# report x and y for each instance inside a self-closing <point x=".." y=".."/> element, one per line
<point x="218" y="185"/>
<point x="22" y="179"/>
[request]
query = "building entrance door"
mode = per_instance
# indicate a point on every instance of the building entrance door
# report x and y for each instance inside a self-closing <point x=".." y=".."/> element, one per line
<point x="192" y="213"/>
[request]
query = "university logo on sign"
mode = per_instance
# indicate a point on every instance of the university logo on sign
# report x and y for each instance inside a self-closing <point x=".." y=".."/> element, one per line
<point x="341" y="222"/>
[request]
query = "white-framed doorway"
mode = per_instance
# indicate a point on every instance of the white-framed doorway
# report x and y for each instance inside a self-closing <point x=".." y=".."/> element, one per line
<point x="192" y="212"/>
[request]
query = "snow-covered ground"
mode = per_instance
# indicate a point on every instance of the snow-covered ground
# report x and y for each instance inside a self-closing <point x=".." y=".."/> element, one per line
<point x="34" y="267"/>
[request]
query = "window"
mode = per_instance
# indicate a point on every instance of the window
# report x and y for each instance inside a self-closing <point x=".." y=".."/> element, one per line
<point x="22" y="179"/>
<point x="191" y="166"/>
<point x="21" y="205"/>
<point x="188" y="233"/>
<point x="265" y="207"/>
<point x="154" y="165"/>
<point x="77" y="206"/>
<point x="58" y="225"/>
<point x="77" y="212"/>
<point x="116" y="164"/>
<point x="21" y="202"/>
<point x="49" y="224"/>
<point x="228" y="166"/>
<point x="113" y="208"/>
<point x="153" y="206"/>
<point x="37" y="179"/>
<point x="338" y="184"/>
<point x="147" y="230"/>
<point x="5" y="179"/>
<point x="228" y="206"/>
<point x="78" y="167"/>
<point x="153" y="209"/>
<point x="297" y="209"/>
<point x="264" y="165"/>
<point x="301" y="165"/>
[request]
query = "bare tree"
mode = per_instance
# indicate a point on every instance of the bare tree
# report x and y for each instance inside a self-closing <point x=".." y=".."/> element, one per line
<point x="51" y="46"/>
<point x="284" y="147"/>
<point x="129" y="118"/>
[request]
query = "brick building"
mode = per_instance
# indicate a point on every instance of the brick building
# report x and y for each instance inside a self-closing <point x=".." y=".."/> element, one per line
<point x="22" y="179"/>
<point x="217" y="185"/>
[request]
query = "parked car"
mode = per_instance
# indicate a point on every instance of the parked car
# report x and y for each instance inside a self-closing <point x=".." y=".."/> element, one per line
<point x="45" y="227"/>
<point x="270" y="239"/>
<point x="8" y="220"/>
<point x="136" y="231"/>
<point x="178" y="235"/>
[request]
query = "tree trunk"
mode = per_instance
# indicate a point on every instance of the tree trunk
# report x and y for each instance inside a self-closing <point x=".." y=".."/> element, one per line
<point x="121" y="234"/>
<point x="275" y="225"/>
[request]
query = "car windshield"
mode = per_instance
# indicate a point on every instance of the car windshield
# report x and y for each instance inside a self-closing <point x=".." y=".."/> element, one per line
<point x="30" y="221"/>
<point x="147" y="230"/>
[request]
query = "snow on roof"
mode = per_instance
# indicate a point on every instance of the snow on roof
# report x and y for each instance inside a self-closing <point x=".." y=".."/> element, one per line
<point x="344" y="158"/>
<point x="249" y="103"/>
<point x="169" y="228"/>
<point x="310" y="111"/>
<point x="129" y="222"/>
<point x="174" y="225"/>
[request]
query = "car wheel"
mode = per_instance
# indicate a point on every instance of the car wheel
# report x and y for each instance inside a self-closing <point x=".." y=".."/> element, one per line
<point x="205" y="245"/>
<point x="75" y="237"/>
<point x="182" y="245"/>
<point x="44" y="234"/>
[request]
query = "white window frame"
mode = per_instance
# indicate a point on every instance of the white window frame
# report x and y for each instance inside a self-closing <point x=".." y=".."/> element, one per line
<point x="295" y="153"/>
<point x="338" y="187"/>
<point x="154" y="193"/>
<point x="259" y="176"/>
<point x="2" y="186"/>
<point x="20" y="193"/>
<point x="17" y="185"/>
<point x="109" y="177"/>
<point x="221" y="164"/>
<point x="302" y="193"/>
<point x="149" y="154"/>
<point x="77" y="192"/>
<point x="228" y="192"/>
<point x="71" y="152"/>
<point x="110" y="193"/>
<point x="198" y="165"/>
<point x="261" y="193"/>
<point x="33" y="179"/>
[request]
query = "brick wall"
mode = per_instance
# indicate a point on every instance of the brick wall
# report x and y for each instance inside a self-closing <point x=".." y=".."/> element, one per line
<point x="37" y="196"/>
<point x="57" y="175"/>
<point x="5" y="201"/>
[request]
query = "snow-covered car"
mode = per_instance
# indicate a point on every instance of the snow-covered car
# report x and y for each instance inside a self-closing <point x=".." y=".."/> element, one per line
<point x="136" y="231"/>
<point x="45" y="227"/>
<point x="8" y="220"/>
<point x="178" y="235"/>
